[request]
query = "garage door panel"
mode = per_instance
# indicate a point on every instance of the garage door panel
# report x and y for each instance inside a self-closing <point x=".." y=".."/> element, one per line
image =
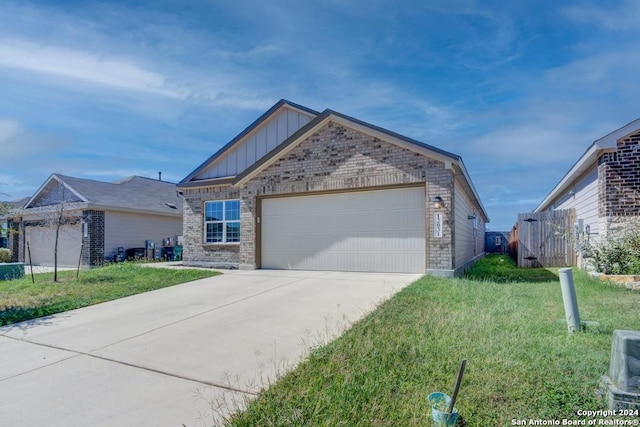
<point x="42" y="244"/>
<point x="381" y="230"/>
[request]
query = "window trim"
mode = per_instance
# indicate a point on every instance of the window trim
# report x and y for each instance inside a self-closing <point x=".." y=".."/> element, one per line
<point x="224" y="222"/>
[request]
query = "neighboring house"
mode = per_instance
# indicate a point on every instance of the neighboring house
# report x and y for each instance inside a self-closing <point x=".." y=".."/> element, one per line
<point x="5" y="210"/>
<point x="97" y="217"/>
<point x="299" y="189"/>
<point x="603" y="187"/>
<point x="496" y="242"/>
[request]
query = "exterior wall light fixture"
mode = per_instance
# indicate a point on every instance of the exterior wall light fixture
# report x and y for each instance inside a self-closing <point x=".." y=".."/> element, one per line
<point x="438" y="202"/>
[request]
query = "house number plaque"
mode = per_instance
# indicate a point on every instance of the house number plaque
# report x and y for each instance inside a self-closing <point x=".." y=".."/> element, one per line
<point x="437" y="224"/>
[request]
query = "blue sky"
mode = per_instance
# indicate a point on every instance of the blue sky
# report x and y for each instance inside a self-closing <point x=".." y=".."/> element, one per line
<point x="518" y="88"/>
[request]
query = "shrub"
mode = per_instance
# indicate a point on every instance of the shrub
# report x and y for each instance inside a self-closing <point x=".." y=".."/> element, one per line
<point x="613" y="257"/>
<point x="5" y="255"/>
<point x="618" y="252"/>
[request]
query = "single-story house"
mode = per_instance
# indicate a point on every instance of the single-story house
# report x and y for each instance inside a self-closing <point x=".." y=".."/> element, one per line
<point x="95" y="219"/>
<point x="603" y="186"/>
<point x="301" y="189"/>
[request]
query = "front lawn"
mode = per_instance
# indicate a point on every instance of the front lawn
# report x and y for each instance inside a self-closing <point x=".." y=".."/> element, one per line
<point x="522" y="362"/>
<point x="20" y="299"/>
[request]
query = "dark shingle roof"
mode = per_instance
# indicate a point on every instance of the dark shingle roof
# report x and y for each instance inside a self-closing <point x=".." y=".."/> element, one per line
<point x="18" y="203"/>
<point x="132" y="193"/>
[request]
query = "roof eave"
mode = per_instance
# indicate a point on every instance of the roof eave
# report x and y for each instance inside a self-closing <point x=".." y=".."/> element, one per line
<point x="56" y="177"/>
<point x="227" y="180"/>
<point x="177" y="213"/>
<point x="587" y="161"/>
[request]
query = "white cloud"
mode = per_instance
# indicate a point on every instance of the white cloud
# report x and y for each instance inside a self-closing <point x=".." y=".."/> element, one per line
<point x="530" y="143"/>
<point x="613" y="69"/>
<point x="8" y="129"/>
<point x="85" y="66"/>
<point x="623" y="17"/>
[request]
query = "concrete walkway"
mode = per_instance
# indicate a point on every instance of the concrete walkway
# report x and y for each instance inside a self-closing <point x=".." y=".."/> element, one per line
<point x="177" y="356"/>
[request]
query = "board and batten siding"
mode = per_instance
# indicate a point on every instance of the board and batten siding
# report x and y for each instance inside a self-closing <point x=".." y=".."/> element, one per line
<point x="131" y="230"/>
<point x="469" y="239"/>
<point x="259" y="142"/>
<point x="584" y="200"/>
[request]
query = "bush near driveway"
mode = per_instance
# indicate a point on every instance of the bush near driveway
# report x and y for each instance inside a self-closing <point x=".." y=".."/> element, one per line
<point x="522" y="363"/>
<point x="5" y="255"/>
<point x="22" y="300"/>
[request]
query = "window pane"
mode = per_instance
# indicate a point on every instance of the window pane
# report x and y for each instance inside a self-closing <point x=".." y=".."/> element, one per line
<point x="233" y="232"/>
<point x="232" y="210"/>
<point x="213" y="211"/>
<point x="214" y="232"/>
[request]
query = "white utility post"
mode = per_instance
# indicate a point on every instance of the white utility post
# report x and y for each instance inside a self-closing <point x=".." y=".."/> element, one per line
<point x="570" y="300"/>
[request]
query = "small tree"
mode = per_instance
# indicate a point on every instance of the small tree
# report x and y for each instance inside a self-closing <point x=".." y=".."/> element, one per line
<point x="59" y="220"/>
<point x="56" y="215"/>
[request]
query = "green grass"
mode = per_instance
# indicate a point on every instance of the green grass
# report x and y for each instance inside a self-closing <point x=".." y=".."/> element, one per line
<point x="20" y="299"/>
<point x="522" y="362"/>
<point x="501" y="269"/>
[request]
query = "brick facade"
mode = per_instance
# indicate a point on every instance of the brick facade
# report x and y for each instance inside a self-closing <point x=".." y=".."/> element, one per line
<point x="619" y="179"/>
<point x="196" y="252"/>
<point x="335" y="158"/>
<point x="93" y="239"/>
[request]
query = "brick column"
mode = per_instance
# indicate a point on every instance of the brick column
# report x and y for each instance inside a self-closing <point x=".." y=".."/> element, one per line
<point x="439" y="182"/>
<point x="93" y="240"/>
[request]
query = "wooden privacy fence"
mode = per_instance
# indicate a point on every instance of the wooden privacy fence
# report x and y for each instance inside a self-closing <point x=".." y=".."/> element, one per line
<point x="544" y="239"/>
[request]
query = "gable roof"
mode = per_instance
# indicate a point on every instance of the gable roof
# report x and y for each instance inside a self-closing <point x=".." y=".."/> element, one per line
<point x="320" y="120"/>
<point x="134" y="193"/>
<point x="587" y="161"/>
<point x="259" y="121"/>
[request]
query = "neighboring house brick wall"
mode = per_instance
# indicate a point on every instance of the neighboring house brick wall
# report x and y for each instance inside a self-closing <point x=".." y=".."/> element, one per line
<point x="619" y="184"/>
<point x="93" y="241"/>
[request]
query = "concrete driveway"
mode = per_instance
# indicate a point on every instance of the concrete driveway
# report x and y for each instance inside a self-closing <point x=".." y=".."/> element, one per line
<point x="180" y="355"/>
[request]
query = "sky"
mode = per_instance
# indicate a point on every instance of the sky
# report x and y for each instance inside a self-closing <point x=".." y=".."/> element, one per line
<point x="519" y="89"/>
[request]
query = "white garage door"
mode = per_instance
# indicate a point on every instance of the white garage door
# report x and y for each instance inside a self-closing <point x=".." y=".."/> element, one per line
<point x="42" y="241"/>
<point x="380" y="231"/>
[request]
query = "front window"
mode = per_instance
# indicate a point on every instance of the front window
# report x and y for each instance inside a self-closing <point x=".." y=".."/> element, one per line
<point x="222" y="221"/>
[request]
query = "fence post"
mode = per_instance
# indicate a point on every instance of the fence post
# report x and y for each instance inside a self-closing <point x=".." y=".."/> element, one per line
<point x="570" y="300"/>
